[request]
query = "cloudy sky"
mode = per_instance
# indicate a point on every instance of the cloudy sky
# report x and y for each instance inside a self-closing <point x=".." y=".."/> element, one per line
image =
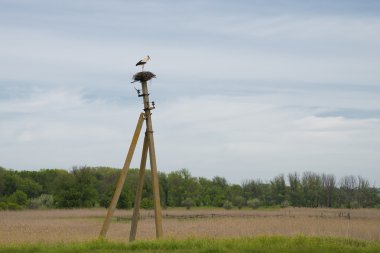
<point x="244" y="89"/>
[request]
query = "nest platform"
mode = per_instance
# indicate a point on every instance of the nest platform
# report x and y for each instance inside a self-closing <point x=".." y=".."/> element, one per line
<point x="143" y="76"/>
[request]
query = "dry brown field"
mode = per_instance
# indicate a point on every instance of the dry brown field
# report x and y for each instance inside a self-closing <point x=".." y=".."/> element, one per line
<point x="84" y="224"/>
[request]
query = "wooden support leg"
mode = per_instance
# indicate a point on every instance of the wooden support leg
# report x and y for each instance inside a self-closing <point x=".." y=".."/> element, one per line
<point x="123" y="175"/>
<point x="153" y="163"/>
<point x="156" y="188"/>
<point x="139" y="189"/>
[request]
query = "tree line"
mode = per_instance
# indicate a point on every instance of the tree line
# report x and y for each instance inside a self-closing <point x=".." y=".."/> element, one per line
<point x="94" y="186"/>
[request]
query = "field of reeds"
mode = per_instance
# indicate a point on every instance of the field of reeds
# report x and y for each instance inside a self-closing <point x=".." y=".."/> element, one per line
<point x="79" y="225"/>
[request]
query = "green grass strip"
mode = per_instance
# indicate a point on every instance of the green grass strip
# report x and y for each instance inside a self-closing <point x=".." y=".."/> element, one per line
<point x="263" y="244"/>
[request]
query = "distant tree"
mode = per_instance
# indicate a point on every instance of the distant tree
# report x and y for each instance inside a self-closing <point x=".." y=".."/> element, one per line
<point x="3" y="172"/>
<point x="49" y="179"/>
<point x="254" y="203"/>
<point x="13" y="206"/>
<point x="77" y="189"/>
<point x="177" y="188"/>
<point x="204" y="198"/>
<point x="85" y="185"/>
<point x="147" y="203"/>
<point x="11" y="182"/>
<point x="239" y="201"/>
<point x="129" y="190"/>
<point x="278" y="190"/>
<point x="42" y="202"/>
<point x="106" y="179"/>
<point x="218" y="191"/>
<point x="295" y="190"/>
<point x="366" y="195"/>
<point x="227" y="205"/>
<point x="164" y="189"/>
<point x="348" y="184"/>
<point x="188" y="203"/>
<point x="312" y="189"/>
<point x="257" y="189"/>
<point x="284" y="204"/>
<point x="233" y="193"/>
<point x="124" y="201"/>
<point x="90" y="187"/>
<point x="30" y="187"/>
<point x="18" y="197"/>
<point x="328" y="184"/>
<point x="3" y="205"/>
<point x="148" y="188"/>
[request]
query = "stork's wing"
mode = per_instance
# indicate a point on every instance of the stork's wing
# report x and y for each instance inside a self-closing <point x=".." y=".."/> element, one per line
<point x="140" y="63"/>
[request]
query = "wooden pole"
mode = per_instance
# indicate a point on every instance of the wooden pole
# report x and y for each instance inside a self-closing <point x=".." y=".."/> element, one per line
<point x="153" y="163"/>
<point x="123" y="175"/>
<point x="139" y="189"/>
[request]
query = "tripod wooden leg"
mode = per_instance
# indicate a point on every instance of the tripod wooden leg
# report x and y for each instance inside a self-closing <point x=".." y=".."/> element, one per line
<point x="156" y="188"/>
<point x="139" y="189"/>
<point x="153" y="163"/>
<point x="123" y="175"/>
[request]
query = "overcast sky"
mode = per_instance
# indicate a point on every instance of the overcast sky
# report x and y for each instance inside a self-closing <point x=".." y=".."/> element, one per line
<point x="244" y="89"/>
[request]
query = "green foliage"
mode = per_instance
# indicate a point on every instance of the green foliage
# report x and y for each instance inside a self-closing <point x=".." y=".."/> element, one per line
<point x="77" y="189"/>
<point x="47" y="178"/>
<point x="254" y="203"/>
<point x="147" y="203"/>
<point x="30" y="187"/>
<point x="188" y="203"/>
<point x="278" y="190"/>
<point x="18" y="197"/>
<point x="239" y="201"/>
<point x="227" y="205"/>
<point x="354" y="204"/>
<point x="95" y="186"/>
<point x="11" y="181"/>
<point x="262" y="244"/>
<point x="214" y="192"/>
<point x="42" y="202"/>
<point x="295" y="192"/>
<point x="105" y="199"/>
<point x="3" y="205"/>
<point x="284" y="204"/>
<point x="257" y="189"/>
<point x="181" y="185"/>
<point x="312" y="189"/>
<point x="125" y="202"/>
<point x="13" y="206"/>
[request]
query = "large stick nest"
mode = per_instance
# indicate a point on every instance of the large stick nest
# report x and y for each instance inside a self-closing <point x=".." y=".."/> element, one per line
<point x="143" y="76"/>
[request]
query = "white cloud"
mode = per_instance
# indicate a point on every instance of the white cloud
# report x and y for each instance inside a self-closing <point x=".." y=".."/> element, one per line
<point x="235" y="137"/>
<point x="246" y="92"/>
<point x="288" y="48"/>
<point x="342" y="28"/>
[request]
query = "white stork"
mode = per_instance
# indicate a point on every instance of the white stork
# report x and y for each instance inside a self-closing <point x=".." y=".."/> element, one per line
<point x="143" y="61"/>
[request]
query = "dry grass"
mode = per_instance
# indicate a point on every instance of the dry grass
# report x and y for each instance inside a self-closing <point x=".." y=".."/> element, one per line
<point x="84" y="224"/>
